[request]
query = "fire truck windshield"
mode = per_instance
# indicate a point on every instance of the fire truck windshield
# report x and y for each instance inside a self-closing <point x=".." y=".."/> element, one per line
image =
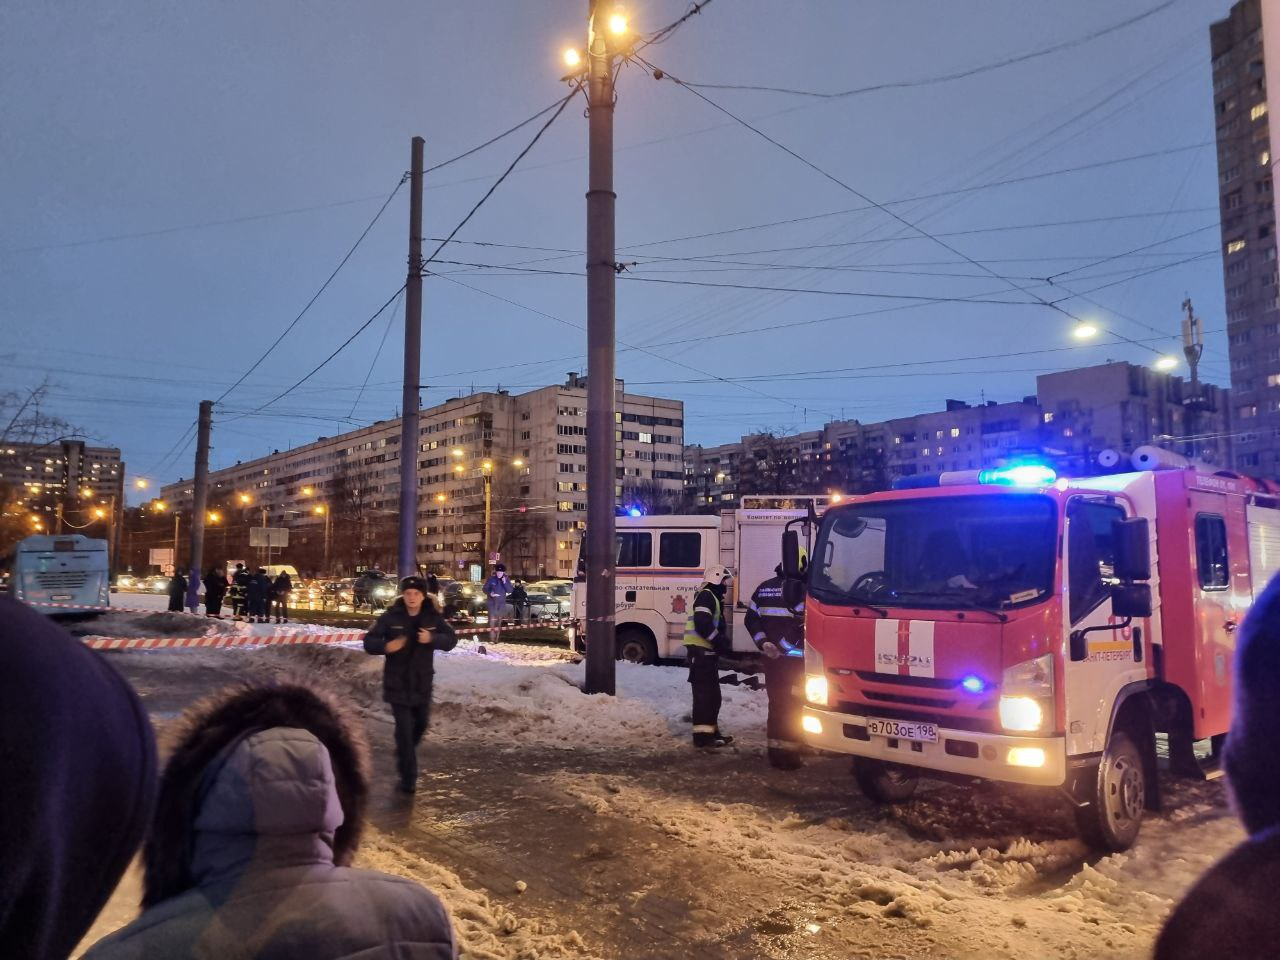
<point x="969" y="551"/>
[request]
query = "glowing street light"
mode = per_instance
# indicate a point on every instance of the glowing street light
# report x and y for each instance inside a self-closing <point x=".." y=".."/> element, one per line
<point x="245" y="498"/>
<point x="1166" y="363"/>
<point x="517" y="463"/>
<point x="214" y="516"/>
<point x="1084" y="331"/>
<point x="142" y="483"/>
<point x="572" y="57"/>
<point x="307" y="491"/>
<point x="440" y="498"/>
<point x="459" y="468"/>
<point x="159" y="506"/>
<point x="99" y="512"/>
<point x="618" y="23"/>
<point x="836" y="497"/>
<point x="487" y="466"/>
<point x="319" y="511"/>
<point x="458" y="452"/>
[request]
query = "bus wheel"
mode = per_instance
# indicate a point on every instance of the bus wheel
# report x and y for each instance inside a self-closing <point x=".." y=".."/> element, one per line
<point x="885" y="782"/>
<point x="1113" y="815"/>
<point x="636" y="646"/>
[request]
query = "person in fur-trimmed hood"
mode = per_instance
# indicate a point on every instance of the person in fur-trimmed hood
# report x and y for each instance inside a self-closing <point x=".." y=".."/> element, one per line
<point x="1230" y="911"/>
<point x="260" y="811"/>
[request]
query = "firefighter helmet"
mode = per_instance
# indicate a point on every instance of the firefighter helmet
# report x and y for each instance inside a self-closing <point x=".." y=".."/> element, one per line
<point x="718" y="574"/>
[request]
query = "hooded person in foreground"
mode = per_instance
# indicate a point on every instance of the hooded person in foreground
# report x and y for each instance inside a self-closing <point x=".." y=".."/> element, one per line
<point x="260" y="811"/>
<point x="78" y="762"/>
<point x="1230" y="911"/>
<point x="408" y="633"/>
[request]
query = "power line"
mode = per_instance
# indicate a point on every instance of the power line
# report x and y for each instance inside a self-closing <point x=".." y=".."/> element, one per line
<point x="391" y="315"/>
<point x="947" y="77"/>
<point x="562" y="103"/>
<point x="316" y="369"/>
<point x="316" y="296"/>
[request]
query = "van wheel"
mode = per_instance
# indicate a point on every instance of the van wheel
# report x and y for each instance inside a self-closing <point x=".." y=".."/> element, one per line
<point x="1111" y="819"/>
<point x="885" y="782"/>
<point x="636" y="646"/>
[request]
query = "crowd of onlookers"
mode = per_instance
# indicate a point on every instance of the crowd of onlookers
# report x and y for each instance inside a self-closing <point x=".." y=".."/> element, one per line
<point x="254" y="596"/>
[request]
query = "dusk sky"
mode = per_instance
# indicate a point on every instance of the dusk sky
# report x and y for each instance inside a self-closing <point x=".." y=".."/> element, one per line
<point x="179" y="180"/>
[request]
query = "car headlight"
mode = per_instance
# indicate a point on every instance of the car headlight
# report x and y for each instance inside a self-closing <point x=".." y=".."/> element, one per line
<point x="383" y="591"/>
<point x="815" y="690"/>
<point x="1026" y="695"/>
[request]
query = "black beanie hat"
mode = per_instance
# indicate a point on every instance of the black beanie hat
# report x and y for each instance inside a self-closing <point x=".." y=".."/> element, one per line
<point x="1250" y="754"/>
<point x="414" y="583"/>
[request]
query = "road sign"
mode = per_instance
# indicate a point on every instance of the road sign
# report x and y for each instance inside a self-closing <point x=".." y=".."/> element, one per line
<point x="495" y="557"/>
<point x="162" y="557"/>
<point x="268" y="536"/>
<point x="462" y="564"/>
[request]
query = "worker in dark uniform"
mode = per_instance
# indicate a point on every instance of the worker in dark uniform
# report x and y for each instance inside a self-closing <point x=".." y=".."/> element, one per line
<point x="240" y="592"/>
<point x="775" y="620"/>
<point x="705" y="636"/>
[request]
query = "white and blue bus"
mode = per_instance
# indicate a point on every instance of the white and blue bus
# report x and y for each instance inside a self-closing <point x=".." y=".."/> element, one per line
<point x="61" y="575"/>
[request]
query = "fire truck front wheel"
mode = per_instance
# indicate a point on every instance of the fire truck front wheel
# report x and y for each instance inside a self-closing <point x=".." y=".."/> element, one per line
<point x="1111" y="819"/>
<point x="885" y="782"/>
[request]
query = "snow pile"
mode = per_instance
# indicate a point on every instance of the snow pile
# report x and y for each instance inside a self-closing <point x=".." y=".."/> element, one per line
<point x="485" y="930"/>
<point x="511" y="693"/>
<point x="129" y="624"/>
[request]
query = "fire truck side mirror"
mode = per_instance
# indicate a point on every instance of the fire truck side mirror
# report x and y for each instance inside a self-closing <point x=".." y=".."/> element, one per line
<point x="1131" y="600"/>
<point x="1133" y="549"/>
<point x="791" y="554"/>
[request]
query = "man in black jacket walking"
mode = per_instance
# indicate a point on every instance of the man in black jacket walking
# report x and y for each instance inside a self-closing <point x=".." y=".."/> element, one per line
<point x="408" y="633"/>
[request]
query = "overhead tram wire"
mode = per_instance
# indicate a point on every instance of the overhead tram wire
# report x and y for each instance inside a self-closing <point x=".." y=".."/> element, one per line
<point x="947" y="77"/>
<point x="866" y="199"/>
<point x="644" y="350"/>
<point x="391" y="315"/>
<point x="316" y="296"/>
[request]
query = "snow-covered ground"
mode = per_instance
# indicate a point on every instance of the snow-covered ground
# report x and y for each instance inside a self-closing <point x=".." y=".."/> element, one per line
<point x="133" y="615"/>
<point x="983" y="871"/>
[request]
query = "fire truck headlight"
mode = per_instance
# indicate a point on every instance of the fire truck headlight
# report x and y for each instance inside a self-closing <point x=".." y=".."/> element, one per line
<point x="1026" y="695"/>
<point x="815" y="690"/>
<point x="1021" y="713"/>
<point x="810" y="724"/>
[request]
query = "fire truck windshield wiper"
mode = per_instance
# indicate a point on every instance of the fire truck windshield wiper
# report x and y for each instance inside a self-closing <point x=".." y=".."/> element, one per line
<point x="971" y="603"/>
<point x="859" y="601"/>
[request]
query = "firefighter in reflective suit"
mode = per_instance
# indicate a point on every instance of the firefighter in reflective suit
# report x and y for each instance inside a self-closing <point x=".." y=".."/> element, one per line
<point x="775" y="619"/>
<point x="704" y="638"/>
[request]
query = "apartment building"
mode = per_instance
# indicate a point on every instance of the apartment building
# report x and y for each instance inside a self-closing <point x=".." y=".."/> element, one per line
<point x="1246" y="47"/>
<point x="65" y="475"/>
<point x="524" y="454"/>
<point x="1074" y="416"/>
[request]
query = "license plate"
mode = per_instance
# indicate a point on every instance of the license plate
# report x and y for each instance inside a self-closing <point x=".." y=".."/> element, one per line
<point x="903" y="730"/>
<point x="63" y="596"/>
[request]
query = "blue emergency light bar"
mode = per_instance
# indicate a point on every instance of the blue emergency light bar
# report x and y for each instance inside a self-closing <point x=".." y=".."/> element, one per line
<point x="1020" y="474"/>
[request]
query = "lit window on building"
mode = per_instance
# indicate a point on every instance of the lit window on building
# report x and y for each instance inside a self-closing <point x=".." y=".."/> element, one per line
<point x="1259" y="110"/>
<point x="1235" y="246"/>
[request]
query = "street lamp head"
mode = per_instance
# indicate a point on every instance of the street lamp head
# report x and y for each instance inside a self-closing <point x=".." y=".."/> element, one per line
<point x="159" y="506"/>
<point x="618" y="23"/>
<point x="1084" y="331"/>
<point x="99" y="512"/>
<point x="307" y="491"/>
<point x="572" y="57"/>
<point x="214" y="516"/>
<point x="440" y="498"/>
<point x="1166" y="363"/>
<point x="459" y="468"/>
<point x="86" y="493"/>
<point x="320" y="511"/>
<point x="458" y="451"/>
<point x="142" y="483"/>
<point x="517" y="462"/>
<point x="487" y="466"/>
<point x="245" y="498"/>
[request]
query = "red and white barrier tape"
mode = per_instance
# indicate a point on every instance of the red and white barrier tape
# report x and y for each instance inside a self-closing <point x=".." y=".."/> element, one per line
<point x="222" y="640"/>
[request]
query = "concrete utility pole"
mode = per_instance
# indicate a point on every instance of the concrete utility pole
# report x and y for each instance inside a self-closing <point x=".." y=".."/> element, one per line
<point x="1192" y="349"/>
<point x="601" y="551"/>
<point x="201" y="498"/>
<point x="407" y="559"/>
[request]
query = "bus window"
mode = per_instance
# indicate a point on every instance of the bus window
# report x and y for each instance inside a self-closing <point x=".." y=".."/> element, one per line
<point x="682" y="550"/>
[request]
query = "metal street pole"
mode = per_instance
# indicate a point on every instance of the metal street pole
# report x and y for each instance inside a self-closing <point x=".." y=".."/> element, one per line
<point x="201" y="499"/>
<point x="601" y="463"/>
<point x="326" y="540"/>
<point x="407" y="559"/>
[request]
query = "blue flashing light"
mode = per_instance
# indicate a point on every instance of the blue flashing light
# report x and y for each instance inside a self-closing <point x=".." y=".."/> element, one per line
<point x="1020" y="475"/>
<point x="634" y="512"/>
<point x="917" y="482"/>
<point x="973" y="683"/>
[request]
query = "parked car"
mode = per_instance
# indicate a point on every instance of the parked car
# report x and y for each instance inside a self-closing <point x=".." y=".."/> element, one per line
<point x="126" y="581"/>
<point x="373" y="589"/>
<point x="559" y="594"/>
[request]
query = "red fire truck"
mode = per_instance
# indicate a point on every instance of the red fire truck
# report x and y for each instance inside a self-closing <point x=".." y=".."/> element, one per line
<point x="1008" y="625"/>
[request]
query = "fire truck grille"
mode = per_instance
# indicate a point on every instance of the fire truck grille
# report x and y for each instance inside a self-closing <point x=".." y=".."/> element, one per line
<point x="910" y="701"/>
<point x="61" y="579"/>
<point x="928" y="683"/>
